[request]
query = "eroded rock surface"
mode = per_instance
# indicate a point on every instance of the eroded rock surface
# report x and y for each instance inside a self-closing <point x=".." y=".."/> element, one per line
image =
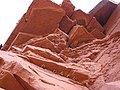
<point x="55" y="47"/>
<point x="103" y="11"/>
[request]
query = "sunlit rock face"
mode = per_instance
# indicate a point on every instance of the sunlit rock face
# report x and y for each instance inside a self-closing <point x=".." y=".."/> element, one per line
<point x="55" y="47"/>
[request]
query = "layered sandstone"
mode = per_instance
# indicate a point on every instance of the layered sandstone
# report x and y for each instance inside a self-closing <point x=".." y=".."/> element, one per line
<point x="103" y="11"/>
<point x="56" y="47"/>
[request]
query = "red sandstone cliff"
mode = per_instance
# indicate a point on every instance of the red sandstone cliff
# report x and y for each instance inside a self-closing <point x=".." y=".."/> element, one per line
<point x="56" y="47"/>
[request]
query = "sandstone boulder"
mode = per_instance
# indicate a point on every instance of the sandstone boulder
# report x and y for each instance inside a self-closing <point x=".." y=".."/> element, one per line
<point x="8" y="81"/>
<point x="81" y="17"/>
<point x="62" y="34"/>
<point x="112" y="24"/>
<point x="97" y="34"/>
<point x="54" y="42"/>
<point x="40" y="4"/>
<point x="79" y="34"/>
<point x="21" y="38"/>
<point x="66" y="24"/>
<point x="94" y="24"/>
<point x="103" y="10"/>
<point x="37" y="23"/>
<point x="44" y="43"/>
<point x="40" y="12"/>
<point x="68" y="7"/>
<point x="43" y="52"/>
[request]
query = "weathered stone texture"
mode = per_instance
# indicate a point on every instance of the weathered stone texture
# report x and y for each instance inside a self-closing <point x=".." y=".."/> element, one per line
<point x="54" y="47"/>
<point x="112" y="24"/>
<point x="96" y="33"/>
<point x="79" y="34"/>
<point x="103" y="11"/>
<point x="68" y="7"/>
<point x="81" y="17"/>
<point x="93" y="24"/>
<point x="43" y="19"/>
<point x="66" y="24"/>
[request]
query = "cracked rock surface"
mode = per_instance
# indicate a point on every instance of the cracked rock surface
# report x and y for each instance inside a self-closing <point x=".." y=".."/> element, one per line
<point x="55" y="47"/>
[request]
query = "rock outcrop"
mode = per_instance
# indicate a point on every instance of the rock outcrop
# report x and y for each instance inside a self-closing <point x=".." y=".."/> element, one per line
<point x="103" y="11"/>
<point x="112" y="24"/>
<point x="68" y="7"/>
<point x="56" y="47"/>
<point x="42" y="18"/>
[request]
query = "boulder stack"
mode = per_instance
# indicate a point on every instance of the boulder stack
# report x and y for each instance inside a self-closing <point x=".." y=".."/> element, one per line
<point x="55" y="47"/>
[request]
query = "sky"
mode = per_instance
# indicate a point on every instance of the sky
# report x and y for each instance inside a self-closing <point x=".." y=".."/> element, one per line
<point x="12" y="10"/>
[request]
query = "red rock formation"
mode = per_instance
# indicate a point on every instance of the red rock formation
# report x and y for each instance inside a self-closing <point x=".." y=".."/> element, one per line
<point x="44" y="11"/>
<point x="112" y="24"/>
<point x="11" y="83"/>
<point x="81" y="17"/>
<point x="40" y="4"/>
<point x="79" y="34"/>
<point x="66" y="24"/>
<point x="103" y="11"/>
<point x="48" y="51"/>
<point x="93" y="24"/>
<point x="21" y="38"/>
<point x="68" y="7"/>
<point x="96" y="33"/>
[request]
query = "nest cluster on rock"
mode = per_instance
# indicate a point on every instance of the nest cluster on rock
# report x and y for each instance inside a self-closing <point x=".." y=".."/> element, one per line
<point x="57" y="47"/>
